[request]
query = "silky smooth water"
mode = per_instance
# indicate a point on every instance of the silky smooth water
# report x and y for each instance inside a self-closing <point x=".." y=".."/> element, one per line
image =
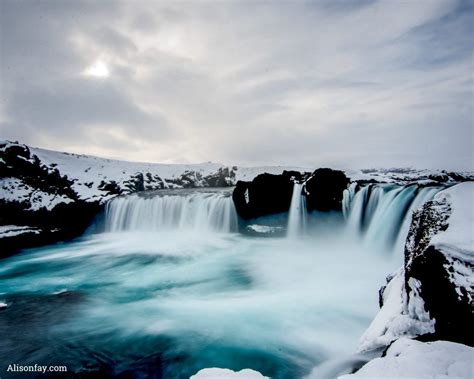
<point x="162" y="301"/>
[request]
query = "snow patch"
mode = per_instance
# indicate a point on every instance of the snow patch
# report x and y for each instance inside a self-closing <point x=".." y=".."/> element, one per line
<point x="458" y="239"/>
<point x="14" y="189"/>
<point x="14" y="230"/>
<point x="223" y="373"/>
<point x="413" y="359"/>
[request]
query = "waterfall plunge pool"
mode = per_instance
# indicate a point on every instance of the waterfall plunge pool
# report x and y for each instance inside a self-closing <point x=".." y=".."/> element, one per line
<point x="172" y="287"/>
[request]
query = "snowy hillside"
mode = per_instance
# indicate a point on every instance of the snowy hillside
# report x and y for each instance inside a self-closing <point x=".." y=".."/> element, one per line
<point x="98" y="179"/>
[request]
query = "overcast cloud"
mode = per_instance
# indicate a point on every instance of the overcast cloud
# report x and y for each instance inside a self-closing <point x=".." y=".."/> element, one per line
<point x="341" y="83"/>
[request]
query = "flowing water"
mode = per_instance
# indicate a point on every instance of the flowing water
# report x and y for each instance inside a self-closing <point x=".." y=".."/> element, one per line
<point x="297" y="213"/>
<point x="174" y="283"/>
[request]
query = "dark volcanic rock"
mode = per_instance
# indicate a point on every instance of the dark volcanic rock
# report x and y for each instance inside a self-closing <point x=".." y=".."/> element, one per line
<point x="447" y="300"/>
<point x="266" y="194"/>
<point x="324" y="190"/>
<point x="63" y="222"/>
<point x="270" y="194"/>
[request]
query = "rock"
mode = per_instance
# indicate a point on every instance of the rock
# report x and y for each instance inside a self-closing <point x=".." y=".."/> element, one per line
<point x="266" y="194"/>
<point x="445" y="272"/>
<point x="270" y="194"/>
<point x="64" y="222"/>
<point x="324" y="190"/>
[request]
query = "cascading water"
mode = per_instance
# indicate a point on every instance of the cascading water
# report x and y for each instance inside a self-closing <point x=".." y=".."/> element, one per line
<point x="297" y="212"/>
<point x="348" y="198"/>
<point x="381" y="213"/>
<point x="200" y="211"/>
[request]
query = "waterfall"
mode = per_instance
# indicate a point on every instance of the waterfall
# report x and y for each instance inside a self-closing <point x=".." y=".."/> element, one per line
<point x="348" y="198"/>
<point x="297" y="213"/>
<point x="204" y="212"/>
<point x="381" y="213"/>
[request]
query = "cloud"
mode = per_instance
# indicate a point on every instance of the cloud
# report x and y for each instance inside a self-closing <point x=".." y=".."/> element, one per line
<point x="358" y="83"/>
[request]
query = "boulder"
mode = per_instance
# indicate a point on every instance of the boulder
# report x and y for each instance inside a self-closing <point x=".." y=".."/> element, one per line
<point x="266" y="194"/>
<point x="324" y="190"/>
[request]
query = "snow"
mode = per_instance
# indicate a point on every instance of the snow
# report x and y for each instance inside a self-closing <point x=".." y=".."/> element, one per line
<point x="397" y="317"/>
<point x="14" y="230"/>
<point x="223" y="373"/>
<point x="264" y="228"/>
<point x="458" y="239"/>
<point x="408" y="358"/>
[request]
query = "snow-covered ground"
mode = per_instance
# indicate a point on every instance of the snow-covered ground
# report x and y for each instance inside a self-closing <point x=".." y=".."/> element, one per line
<point x="408" y="358"/>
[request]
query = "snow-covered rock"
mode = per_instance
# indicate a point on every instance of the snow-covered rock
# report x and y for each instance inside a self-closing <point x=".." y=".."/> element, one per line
<point x="408" y="175"/>
<point x="223" y="373"/>
<point x="398" y="316"/>
<point x="432" y="295"/>
<point x="407" y="358"/>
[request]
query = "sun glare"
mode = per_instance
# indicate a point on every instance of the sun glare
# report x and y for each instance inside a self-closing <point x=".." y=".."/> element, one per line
<point x="99" y="70"/>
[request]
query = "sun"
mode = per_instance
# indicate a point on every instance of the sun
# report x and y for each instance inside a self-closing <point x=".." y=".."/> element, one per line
<point x="99" y="70"/>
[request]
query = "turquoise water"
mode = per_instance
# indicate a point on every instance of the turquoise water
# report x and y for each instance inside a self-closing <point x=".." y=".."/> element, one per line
<point x="176" y="283"/>
<point x="167" y="304"/>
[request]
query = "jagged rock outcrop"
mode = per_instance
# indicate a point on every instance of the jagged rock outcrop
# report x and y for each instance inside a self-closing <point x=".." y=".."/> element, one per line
<point x="324" y="190"/>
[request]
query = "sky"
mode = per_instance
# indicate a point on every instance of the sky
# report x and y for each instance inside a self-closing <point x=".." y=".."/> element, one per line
<point x="356" y="84"/>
